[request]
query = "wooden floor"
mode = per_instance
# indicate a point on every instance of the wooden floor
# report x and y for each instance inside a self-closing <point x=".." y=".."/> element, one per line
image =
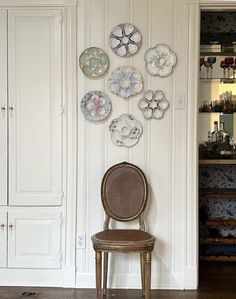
<point x="217" y="281"/>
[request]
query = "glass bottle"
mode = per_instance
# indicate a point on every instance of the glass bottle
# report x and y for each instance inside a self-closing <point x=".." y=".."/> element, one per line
<point x="222" y="135"/>
<point x="214" y="133"/>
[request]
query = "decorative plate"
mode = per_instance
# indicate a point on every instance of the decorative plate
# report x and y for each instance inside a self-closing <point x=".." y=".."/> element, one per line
<point x="160" y="60"/>
<point x="153" y="104"/>
<point x="125" y="81"/>
<point x="125" y="40"/>
<point x="94" y="62"/>
<point x="95" y="105"/>
<point x="125" y="130"/>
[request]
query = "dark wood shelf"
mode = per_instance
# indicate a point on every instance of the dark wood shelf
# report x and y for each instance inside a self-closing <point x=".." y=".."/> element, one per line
<point x="217" y="161"/>
<point x="221" y="222"/>
<point x="222" y="80"/>
<point x="218" y="192"/>
<point x="222" y="258"/>
<point x="221" y="240"/>
<point x="223" y="54"/>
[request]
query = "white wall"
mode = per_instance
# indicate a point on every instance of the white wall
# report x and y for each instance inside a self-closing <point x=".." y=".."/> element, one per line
<point x="160" y="152"/>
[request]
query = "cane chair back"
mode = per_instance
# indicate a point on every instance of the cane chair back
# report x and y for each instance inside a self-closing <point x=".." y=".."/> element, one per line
<point x="124" y="192"/>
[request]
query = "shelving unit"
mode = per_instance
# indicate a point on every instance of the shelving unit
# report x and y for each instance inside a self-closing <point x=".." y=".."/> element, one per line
<point x="219" y="192"/>
<point x="218" y="258"/>
<point x="233" y="54"/>
<point x="221" y="80"/>
<point x="217" y="162"/>
<point x="215" y="245"/>
<point x="221" y="222"/>
<point x="218" y="241"/>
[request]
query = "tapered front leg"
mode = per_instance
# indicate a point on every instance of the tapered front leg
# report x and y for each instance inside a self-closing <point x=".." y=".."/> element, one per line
<point x="142" y="272"/>
<point x="148" y="259"/>
<point x="98" y="273"/>
<point x="105" y="266"/>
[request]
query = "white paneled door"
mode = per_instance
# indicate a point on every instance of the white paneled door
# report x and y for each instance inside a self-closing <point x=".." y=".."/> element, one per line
<point x="3" y="239"/>
<point x="34" y="240"/>
<point x="3" y="107"/>
<point x="35" y="106"/>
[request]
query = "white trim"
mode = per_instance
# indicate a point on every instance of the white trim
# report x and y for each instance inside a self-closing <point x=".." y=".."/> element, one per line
<point x="69" y="83"/>
<point x="163" y="281"/>
<point x="192" y="158"/>
<point x="217" y="2"/>
<point x="191" y="266"/>
<point x="31" y="3"/>
<point x="191" y="278"/>
<point x="31" y="277"/>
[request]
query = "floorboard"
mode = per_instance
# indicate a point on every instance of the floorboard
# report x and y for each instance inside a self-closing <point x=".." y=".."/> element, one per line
<point x="217" y="281"/>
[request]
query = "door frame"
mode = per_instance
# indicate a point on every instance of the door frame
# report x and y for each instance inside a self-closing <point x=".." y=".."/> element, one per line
<point x="192" y="255"/>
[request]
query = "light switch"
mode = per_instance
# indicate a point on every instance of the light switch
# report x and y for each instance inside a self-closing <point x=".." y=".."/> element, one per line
<point x="180" y="101"/>
<point x="81" y="241"/>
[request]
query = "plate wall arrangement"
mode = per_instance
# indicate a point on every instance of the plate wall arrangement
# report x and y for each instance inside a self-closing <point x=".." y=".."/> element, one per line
<point x="125" y="40"/>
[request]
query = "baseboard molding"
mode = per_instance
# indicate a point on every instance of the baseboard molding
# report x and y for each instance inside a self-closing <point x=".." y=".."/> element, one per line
<point x="191" y="279"/>
<point x="133" y="281"/>
<point x="31" y="277"/>
<point x="69" y="277"/>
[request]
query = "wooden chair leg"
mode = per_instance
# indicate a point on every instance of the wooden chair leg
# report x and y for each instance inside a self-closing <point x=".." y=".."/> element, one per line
<point x="98" y="273"/>
<point x="105" y="266"/>
<point x="148" y="259"/>
<point x="142" y="272"/>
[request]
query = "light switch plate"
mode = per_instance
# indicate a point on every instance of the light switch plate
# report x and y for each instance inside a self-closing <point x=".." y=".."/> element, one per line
<point x="81" y="241"/>
<point x="180" y="101"/>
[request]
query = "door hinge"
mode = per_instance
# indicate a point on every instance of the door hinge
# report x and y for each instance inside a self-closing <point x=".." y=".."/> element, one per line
<point x="61" y="18"/>
<point x="63" y="110"/>
<point x="60" y="256"/>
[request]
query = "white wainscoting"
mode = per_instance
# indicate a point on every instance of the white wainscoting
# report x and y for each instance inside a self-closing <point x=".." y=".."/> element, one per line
<point x="161" y="151"/>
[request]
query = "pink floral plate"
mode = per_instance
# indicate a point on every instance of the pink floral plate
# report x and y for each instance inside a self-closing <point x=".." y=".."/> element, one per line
<point x="95" y="106"/>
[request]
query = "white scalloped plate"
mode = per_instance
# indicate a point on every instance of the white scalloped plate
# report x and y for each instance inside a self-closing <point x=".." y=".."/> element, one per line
<point x="160" y="60"/>
<point x="125" y="130"/>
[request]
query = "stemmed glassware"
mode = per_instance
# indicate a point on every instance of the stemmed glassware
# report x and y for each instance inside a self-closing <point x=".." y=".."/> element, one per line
<point x="202" y="58"/>
<point x="223" y="66"/>
<point x="229" y="61"/>
<point x="211" y="60"/>
<point x="233" y="67"/>
<point x="207" y="65"/>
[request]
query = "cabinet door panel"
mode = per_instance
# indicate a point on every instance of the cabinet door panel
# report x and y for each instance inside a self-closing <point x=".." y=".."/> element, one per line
<point x="34" y="240"/>
<point x="35" y="96"/>
<point x="3" y="239"/>
<point x="3" y="107"/>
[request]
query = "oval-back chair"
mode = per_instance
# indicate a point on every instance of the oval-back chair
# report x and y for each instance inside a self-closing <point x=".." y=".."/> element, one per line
<point x="124" y="194"/>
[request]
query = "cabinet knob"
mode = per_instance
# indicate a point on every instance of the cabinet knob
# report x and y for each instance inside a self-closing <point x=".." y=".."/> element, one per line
<point x="10" y="226"/>
<point x="2" y="226"/>
<point x="11" y="108"/>
<point x="3" y="109"/>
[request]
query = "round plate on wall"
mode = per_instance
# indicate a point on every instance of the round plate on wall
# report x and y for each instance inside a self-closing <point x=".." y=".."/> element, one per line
<point x="94" y="62"/>
<point x="125" y="130"/>
<point x="95" y="106"/>
<point x="125" y="40"/>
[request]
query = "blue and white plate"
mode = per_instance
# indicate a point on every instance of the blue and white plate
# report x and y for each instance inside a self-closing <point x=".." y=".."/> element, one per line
<point x="125" y="40"/>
